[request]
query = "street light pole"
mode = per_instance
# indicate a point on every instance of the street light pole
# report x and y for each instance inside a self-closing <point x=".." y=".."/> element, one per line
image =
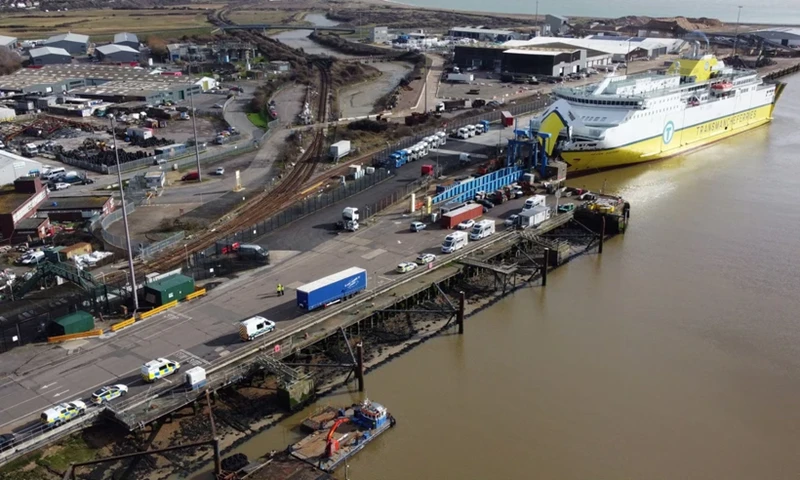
<point x="125" y="220"/>
<point x="736" y="35"/>
<point x="196" y="146"/>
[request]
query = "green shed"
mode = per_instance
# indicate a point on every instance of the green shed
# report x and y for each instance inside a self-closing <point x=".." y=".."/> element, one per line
<point x="77" y="322"/>
<point x="163" y="291"/>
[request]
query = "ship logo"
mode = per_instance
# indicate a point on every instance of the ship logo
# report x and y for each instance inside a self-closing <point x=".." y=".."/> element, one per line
<point x="669" y="132"/>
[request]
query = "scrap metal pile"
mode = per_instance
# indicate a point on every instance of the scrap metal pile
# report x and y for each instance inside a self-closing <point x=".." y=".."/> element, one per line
<point x="99" y="152"/>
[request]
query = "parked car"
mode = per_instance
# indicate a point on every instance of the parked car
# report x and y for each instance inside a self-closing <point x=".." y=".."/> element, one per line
<point x="108" y="393"/>
<point x="588" y="196"/>
<point x="219" y="171"/>
<point x="417" y="226"/>
<point x="405" y="267"/>
<point x="190" y="176"/>
<point x="466" y="224"/>
<point x="486" y="203"/>
<point x="424" y="258"/>
<point x="567" y="207"/>
<point x="6" y="440"/>
<point x="62" y="186"/>
<point x="510" y="221"/>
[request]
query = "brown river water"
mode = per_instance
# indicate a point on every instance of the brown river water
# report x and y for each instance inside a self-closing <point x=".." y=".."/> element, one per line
<point x="675" y="354"/>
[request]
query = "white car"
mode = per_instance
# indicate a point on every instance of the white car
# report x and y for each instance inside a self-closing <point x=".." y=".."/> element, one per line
<point x="108" y="393"/>
<point x="219" y="171"/>
<point x="466" y="224"/>
<point x="511" y="220"/>
<point x="424" y="258"/>
<point x="62" y="186"/>
<point x="404" y="267"/>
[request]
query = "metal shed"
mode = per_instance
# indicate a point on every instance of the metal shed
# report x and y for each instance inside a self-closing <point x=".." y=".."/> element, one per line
<point x="77" y="322"/>
<point x="166" y="290"/>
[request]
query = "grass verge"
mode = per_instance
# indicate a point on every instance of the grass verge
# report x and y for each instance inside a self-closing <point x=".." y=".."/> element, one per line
<point x="258" y="120"/>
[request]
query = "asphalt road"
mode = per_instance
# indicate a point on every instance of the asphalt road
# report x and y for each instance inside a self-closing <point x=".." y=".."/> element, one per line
<point x="204" y="330"/>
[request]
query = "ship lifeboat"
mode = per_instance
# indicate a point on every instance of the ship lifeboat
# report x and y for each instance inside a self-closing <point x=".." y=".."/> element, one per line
<point x="723" y="86"/>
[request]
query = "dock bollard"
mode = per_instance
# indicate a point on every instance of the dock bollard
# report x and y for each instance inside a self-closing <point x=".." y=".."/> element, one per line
<point x="460" y="313"/>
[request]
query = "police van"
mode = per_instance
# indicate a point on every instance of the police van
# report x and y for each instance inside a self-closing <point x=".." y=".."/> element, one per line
<point x="63" y="413"/>
<point x="159" y="368"/>
<point x="255" y="327"/>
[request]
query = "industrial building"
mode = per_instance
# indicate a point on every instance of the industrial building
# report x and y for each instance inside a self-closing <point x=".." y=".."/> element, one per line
<point x="7" y="114"/>
<point x="622" y="49"/>
<point x="379" y="35"/>
<point x="551" y="58"/>
<point x="551" y="62"/>
<point x="111" y="83"/>
<point x="558" y="25"/>
<point x="127" y="39"/>
<point x="117" y="53"/>
<point x="18" y="202"/>
<point x="14" y="166"/>
<point x="49" y="56"/>
<point x="483" y="34"/>
<point x="8" y="42"/>
<point x="72" y="209"/>
<point x="74" y="43"/>
<point x="788" y="37"/>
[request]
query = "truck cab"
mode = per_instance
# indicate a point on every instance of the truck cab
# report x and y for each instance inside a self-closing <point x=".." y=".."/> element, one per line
<point x="350" y="218"/>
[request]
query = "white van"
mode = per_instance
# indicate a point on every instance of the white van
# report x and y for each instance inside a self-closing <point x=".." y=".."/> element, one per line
<point x="455" y="241"/>
<point x="31" y="258"/>
<point x="159" y="368"/>
<point x="254" y="327"/>
<point x="482" y="229"/>
<point x="534" y="201"/>
<point x="53" y="172"/>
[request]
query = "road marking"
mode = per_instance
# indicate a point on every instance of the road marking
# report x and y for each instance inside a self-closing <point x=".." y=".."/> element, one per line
<point x="61" y="393"/>
<point x="43" y="387"/>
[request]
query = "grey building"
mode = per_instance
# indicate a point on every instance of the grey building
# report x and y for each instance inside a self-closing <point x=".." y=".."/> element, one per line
<point x="558" y="25"/>
<point x="14" y="166"/>
<point x="49" y="56"/>
<point x="482" y="57"/>
<point x="483" y="34"/>
<point x="74" y="43"/>
<point x="551" y="62"/>
<point x="127" y="39"/>
<point x="8" y="42"/>
<point x="379" y="35"/>
<point x="117" y="53"/>
<point x="786" y="36"/>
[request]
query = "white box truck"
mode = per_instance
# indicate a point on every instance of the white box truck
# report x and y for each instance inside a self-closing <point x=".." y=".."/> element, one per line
<point x="460" y="77"/>
<point x="339" y="149"/>
<point x="482" y="229"/>
<point x="455" y="241"/>
<point x="533" y="217"/>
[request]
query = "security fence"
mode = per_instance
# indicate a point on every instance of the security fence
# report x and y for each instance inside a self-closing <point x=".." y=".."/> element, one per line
<point x="380" y="158"/>
<point x="304" y="207"/>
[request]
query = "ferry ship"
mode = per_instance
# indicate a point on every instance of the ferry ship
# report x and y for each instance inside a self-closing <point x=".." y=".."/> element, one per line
<point x="630" y="119"/>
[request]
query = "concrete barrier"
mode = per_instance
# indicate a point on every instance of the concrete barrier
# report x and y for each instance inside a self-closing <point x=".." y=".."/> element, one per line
<point x="123" y="324"/>
<point x="75" y="336"/>
<point x="157" y="310"/>
<point x="195" y="294"/>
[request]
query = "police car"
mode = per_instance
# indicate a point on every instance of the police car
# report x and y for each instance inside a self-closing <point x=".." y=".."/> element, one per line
<point x="108" y="393"/>
<point x="63" y="413"/>
<point x="159" y="368"/>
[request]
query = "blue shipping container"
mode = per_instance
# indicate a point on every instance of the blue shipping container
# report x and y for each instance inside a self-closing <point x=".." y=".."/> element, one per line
<point x="332" y="288"/>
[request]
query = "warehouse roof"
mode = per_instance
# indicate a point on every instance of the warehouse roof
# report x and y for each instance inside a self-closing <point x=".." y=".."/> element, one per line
<point x="42" y="51"/>
<point x="612" y="45"/>
<point x="112" y="48"/>
<point x="6" y="41"/>
<point x="30" y="223"/>
<point x="540" y="51"/>
<point x="69" y="37"/>
<point x="125" y="37"/>
<point x="75" y="203"/>
<point x="779" y="33"/>
<point x="482" y="30"/>
<point x="10" y="200"/>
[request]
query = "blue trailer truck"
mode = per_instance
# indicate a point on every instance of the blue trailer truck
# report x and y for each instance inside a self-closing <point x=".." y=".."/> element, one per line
<point x="331" y="289"/>
<point x="398" y="158"/>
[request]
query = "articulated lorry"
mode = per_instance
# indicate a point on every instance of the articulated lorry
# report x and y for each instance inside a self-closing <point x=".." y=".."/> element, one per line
<point x="332" y="289"/>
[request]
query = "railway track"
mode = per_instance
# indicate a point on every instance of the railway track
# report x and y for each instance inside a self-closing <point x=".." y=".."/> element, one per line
<point x="263" y="205"/>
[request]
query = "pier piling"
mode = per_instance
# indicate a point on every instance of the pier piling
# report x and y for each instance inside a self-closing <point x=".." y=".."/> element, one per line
<point x="460" y="313"/>
<point x="602" y="236"/>
<point x="545" y="263"/>
<point x="360" y="365"/>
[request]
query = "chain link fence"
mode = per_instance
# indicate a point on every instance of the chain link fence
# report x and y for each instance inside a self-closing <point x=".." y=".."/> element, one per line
<point x="302" y="208"/>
